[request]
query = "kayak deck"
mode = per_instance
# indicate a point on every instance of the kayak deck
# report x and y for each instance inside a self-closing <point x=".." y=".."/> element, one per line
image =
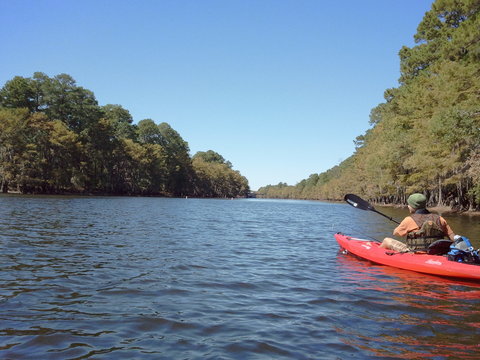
<point x="420" y="262"/>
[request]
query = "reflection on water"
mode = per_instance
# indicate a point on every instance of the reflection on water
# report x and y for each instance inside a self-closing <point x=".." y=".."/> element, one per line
<point x="127" y="278"/>
<point x="431" y="317"/>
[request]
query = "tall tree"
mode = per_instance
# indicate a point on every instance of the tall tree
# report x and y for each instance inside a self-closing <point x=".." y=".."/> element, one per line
<point x="178" y="160"/>
<point x="148" y="132"/>
<point x="211" y="156"/>
<point x="121" y="120"/>
<point x="18" y="93"/>
<point x="214" y="176"/>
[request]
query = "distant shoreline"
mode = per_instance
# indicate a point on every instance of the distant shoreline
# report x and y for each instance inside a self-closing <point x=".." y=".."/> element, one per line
<point x="80" y="194"/>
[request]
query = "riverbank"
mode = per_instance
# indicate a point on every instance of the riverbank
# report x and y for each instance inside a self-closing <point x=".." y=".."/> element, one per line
<point x="441" y="210"/>
<point x="106" y="194"/>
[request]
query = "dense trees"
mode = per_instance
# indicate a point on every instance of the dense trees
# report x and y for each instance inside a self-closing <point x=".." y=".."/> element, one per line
<point x="215" y="176"/>
<point x="55" y="138"/>
<point x="426" y="135"/>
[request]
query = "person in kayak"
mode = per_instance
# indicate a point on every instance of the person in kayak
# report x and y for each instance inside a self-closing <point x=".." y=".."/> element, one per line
<point x="421" y="228"/>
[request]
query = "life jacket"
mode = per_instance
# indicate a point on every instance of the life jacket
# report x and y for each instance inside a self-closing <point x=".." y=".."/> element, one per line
<point x="430" y="230"/>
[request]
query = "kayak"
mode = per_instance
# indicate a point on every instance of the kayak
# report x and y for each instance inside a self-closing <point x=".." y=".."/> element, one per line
<point x="419" y="262"/>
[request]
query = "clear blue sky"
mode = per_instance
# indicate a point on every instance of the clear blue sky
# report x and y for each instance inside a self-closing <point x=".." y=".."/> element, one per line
<point x="280" y="88"/>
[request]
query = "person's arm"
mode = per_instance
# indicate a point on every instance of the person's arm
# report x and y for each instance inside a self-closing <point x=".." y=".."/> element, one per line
<point x="447" y="229"/>
<point x="405" y="227"/>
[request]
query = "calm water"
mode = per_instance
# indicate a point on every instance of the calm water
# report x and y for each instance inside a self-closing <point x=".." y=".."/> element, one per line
<point x="153" y="278"/>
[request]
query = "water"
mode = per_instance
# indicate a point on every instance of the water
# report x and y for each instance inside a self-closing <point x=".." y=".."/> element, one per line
<point x="154" y="278"/>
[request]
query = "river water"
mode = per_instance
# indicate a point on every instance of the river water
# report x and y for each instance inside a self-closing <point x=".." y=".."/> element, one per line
<point x="156" y="278"/>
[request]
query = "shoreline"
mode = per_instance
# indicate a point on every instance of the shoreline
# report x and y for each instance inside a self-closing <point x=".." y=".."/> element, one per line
<point x="442" y="210"/>
<point x="83" y="194"/>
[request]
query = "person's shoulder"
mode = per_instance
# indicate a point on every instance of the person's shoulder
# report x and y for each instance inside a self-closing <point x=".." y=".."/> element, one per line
<point x="408" y="219"/>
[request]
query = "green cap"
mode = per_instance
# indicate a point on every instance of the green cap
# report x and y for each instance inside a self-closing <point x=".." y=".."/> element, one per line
<point x="417" y="201"/>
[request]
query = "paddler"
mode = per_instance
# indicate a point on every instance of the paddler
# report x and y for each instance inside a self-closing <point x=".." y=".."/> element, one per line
<point x="420" y="229"/>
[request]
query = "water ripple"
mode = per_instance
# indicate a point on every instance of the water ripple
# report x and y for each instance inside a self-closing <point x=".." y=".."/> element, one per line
<point x="127" y="278"/>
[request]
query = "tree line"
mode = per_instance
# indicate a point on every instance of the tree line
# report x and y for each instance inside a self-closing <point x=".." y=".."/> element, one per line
<point x="425" y="137"/>
<point x="56" y="138"/>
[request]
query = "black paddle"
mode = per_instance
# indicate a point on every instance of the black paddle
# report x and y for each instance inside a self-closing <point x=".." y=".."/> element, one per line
<point x="359" y="203"/>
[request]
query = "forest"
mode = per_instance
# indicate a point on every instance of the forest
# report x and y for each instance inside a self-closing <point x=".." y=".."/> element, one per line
<point x="425" y="137"/>
<point x="56" y="139"/>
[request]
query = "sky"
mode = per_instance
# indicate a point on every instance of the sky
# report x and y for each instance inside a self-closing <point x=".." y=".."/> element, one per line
<point x="280" y="88"/>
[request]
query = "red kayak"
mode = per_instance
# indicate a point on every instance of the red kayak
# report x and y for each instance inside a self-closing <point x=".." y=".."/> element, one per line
<point x="420" y="262"/>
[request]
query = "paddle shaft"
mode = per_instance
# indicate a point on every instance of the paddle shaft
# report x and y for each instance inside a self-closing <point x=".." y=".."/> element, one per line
<point x="388" y="217"/>
<point x="359" y="203"/>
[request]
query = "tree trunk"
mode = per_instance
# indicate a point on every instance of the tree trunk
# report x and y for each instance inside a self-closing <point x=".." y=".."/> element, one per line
<point x="440" y="200"/>
<point x="4" y="187"/>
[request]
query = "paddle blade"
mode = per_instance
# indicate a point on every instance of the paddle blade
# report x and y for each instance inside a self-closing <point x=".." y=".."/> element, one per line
<point x="358" y="202"/>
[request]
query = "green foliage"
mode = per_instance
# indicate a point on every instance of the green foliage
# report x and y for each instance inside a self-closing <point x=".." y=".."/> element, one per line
<point x="426" y="136"/>
<point x="18" y="93"/>
<point x="178" y="162"/>
<point x="148" y="132"/>
<point x="121" y="120"/>
<point x="55" y="138"/>
<point x="211" y="156"/>
<point x="217" y="179"/>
